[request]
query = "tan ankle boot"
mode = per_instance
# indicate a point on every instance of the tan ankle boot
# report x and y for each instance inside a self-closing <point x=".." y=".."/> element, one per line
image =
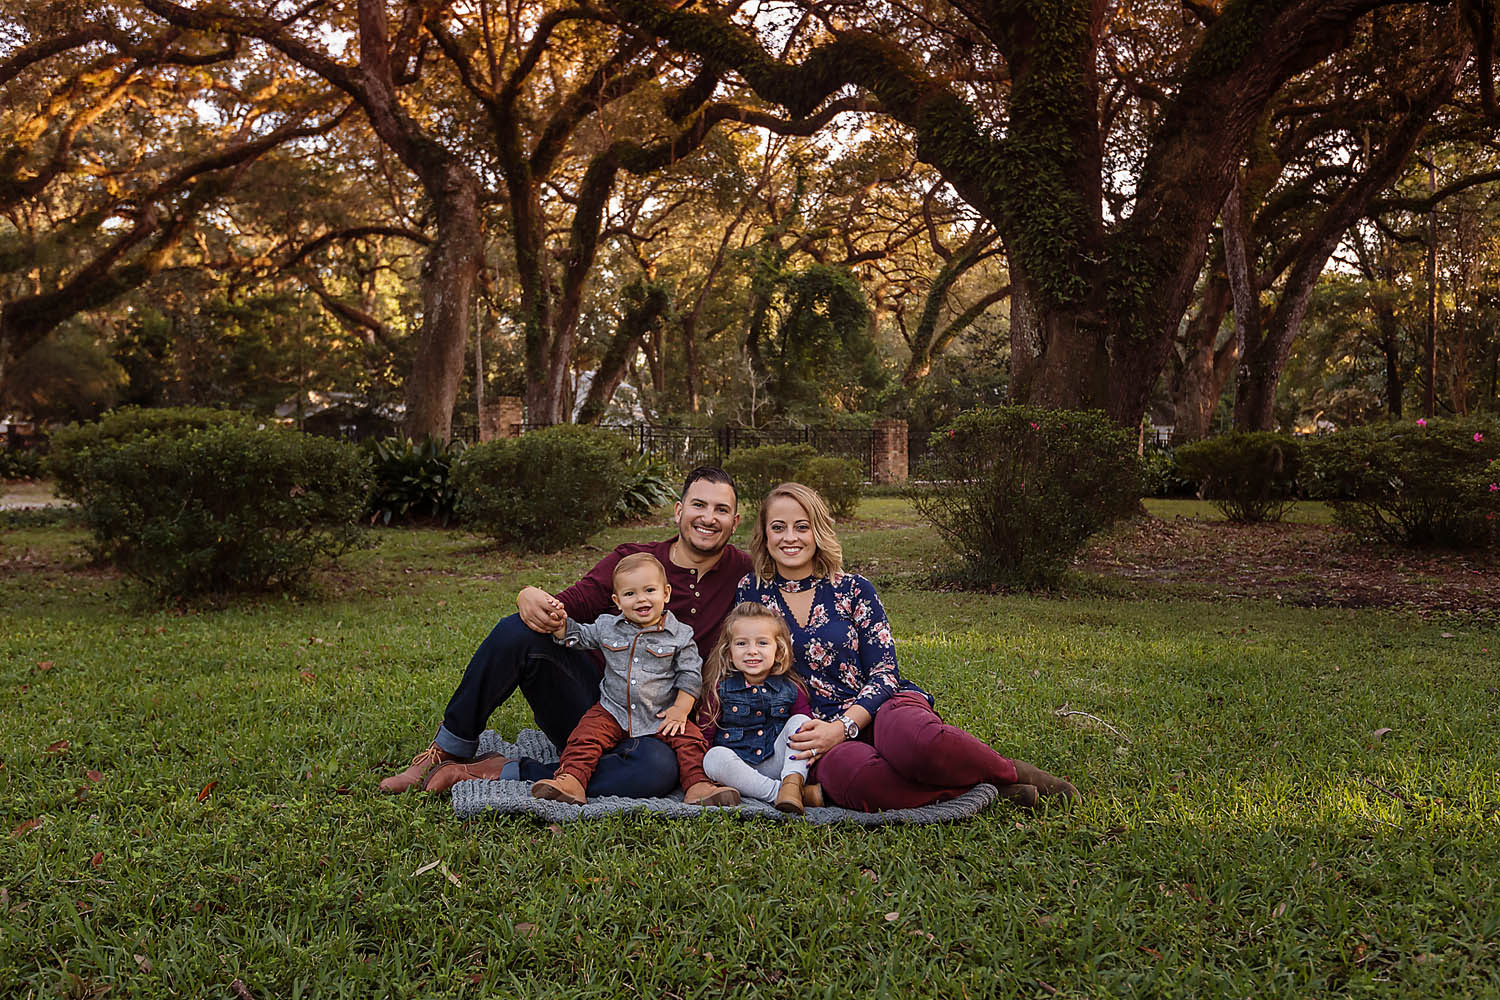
<point x="812" y="796"/>
<point x="706" y="793"/>
<point x="447" y="775"/>
<point x="561" y="787"/>
<point x="416" y="772"/>
<point x="789" y="796"/>
<point x="1046" y="784"/>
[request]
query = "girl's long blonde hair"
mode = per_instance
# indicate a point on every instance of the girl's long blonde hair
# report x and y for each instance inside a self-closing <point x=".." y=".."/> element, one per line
<point x="828" y="560"/>
<point x="720" y="662"/>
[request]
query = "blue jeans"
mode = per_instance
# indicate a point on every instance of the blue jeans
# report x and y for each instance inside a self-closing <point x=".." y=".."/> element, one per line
<point x="559" y="684"/>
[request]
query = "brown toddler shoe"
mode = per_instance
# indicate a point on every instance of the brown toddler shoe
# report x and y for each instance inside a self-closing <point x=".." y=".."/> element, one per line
<point x="706" y="793"/>
<point x="1048" y="785"/>
<point x="789" y="796"/>
<point x="561" y="787"/>
<point x="812" y="796"/>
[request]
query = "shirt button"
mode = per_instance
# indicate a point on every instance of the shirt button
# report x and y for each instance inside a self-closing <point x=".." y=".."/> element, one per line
<point x="757" y="712"/>
<point x="693" y="611"/>
<point x="760" y="732"/>
<point x="757" y="753"/>
<point x="734" y="708"/>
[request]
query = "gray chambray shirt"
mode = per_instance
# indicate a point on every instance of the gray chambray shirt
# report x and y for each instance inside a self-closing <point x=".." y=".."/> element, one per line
<point x="644" y="668"/>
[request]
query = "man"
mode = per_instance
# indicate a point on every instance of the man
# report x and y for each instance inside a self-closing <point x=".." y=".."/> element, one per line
<point x="559" y="683"/>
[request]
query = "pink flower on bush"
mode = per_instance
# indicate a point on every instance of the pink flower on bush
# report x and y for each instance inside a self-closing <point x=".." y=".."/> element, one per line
<point x="1035" y="425"/>
<point x="1421" y="422"/>
<point x="1478" y="437"/>
<point x="1495" y="487"/>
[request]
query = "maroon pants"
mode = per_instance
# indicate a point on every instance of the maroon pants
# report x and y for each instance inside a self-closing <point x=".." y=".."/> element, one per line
<point x="913" y="758"/>
<point x="597" y="733"/>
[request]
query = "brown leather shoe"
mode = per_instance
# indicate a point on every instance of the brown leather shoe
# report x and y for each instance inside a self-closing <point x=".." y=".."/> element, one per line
<point x="445" y="776"/>
<point x="1019" y="794"/>
<point x="415" y="773"/>
<point x="561" y="787"/>
<point x="789" y="796"/>
<point x="1048" y="785"/>
<point x="812" y="796"/>
<point x="706" y="793"/>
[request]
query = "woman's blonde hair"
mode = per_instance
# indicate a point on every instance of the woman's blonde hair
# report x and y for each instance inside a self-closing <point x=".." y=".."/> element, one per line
<point x="828" y="559"/>
<point x="720" y="662"/>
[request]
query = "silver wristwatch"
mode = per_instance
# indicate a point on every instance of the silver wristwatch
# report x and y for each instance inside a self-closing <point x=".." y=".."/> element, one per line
<point x="851" y="728"/>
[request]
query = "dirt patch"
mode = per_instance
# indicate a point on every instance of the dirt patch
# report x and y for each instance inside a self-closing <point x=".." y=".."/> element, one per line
<point x="1304" y="564"/>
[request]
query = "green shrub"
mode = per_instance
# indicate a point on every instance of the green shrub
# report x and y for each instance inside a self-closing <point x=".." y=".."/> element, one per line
<point x="756" y="470"/>
<point x="841" y="481"/>
<point x="125" y="424"/>
<point x="649" y="483"/>
<point x="219" y="509"/>
<point x="545" y="489"/>
<point x="412" y="479"/>
<point x="1017" y="490"/>
<point x="1411" y="483"/>
<point x="1160" y="476"/>
<point x="1250" y="476"/>
<point x="19" y="463"/>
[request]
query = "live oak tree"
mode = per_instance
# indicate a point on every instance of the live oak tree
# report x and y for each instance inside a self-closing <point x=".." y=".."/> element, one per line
<point x="115" y="148"/>
<point x="1013" y="122"/>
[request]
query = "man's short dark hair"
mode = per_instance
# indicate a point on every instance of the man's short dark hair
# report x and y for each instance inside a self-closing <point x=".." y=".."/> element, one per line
<point x="708" y="474"/>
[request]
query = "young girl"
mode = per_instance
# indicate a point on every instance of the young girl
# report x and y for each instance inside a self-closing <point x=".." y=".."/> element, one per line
<point x="753" y="703"/>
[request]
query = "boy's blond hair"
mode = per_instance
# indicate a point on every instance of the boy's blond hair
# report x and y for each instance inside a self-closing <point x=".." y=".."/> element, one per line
<point x="635" y="561"/>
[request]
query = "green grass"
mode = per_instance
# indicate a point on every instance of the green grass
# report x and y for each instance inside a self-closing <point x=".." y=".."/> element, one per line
<point x="1246" y="833"/>
<point x="1303" y="512"/>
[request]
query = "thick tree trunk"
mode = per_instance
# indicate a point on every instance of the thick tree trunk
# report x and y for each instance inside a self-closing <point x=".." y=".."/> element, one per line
<point x="449" y="270"/>
<point x="1205" y="370"/>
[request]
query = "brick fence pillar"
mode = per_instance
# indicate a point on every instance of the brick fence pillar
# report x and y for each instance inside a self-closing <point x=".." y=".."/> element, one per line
<point x="501" y="417"/>
<point x="890" y="451"/>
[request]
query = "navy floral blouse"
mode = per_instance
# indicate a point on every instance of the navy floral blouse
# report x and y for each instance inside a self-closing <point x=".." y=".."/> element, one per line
<point x="845" y="652"/>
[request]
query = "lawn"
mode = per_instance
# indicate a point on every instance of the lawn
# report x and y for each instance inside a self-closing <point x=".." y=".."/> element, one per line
<point x="1282" y="802"/>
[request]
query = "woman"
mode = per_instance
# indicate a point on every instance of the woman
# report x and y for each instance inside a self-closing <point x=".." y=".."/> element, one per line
<point x="875" y="741"/>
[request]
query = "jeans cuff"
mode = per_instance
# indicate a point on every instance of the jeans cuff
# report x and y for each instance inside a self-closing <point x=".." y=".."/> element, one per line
<point x="456" y="745"/>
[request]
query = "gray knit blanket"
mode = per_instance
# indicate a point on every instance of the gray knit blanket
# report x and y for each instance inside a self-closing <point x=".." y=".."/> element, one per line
<point x="478" y="797"/>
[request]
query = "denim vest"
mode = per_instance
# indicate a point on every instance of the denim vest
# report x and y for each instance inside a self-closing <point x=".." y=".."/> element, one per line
<point x="751" y="716"/>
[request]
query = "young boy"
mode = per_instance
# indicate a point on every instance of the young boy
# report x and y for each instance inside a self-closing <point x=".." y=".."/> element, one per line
<point x="652" y="676"/>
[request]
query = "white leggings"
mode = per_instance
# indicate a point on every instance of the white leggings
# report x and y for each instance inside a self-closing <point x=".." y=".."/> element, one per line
<point x="759" y="781"/>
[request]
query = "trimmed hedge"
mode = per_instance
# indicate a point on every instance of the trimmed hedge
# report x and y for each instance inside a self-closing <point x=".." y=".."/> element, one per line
<point x="841" y="482"/>
<point x="1017" y="490"/>
<point x="1251" y="476"/>
<point x="1412" y="483"/>
<point x="215" y="509"/>
<point x="756" y="470"/>
<point x="546" y="489"/>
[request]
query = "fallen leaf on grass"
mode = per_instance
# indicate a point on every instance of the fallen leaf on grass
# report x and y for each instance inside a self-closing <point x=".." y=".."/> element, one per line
<point x="553" y="827"/>
<point x="94" y="776"/>
<point x="525" y="930"/>
<point x="1280" y="909"/>
<point x="21" y="829"/>
<point x="96" y="860"/>
<point x="59" y="747"/>
<point x="307" y="675"/>
<point x="893" y="915"/>
<point x="1150" y="951"/>
<point x="241" y="991"/>
<point x="208" y="790"/>
<point x="44" y="665"/>
<point x="143" y="962"/>
<point x="1380" y="733"/>
<point x="429" y="866"/>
